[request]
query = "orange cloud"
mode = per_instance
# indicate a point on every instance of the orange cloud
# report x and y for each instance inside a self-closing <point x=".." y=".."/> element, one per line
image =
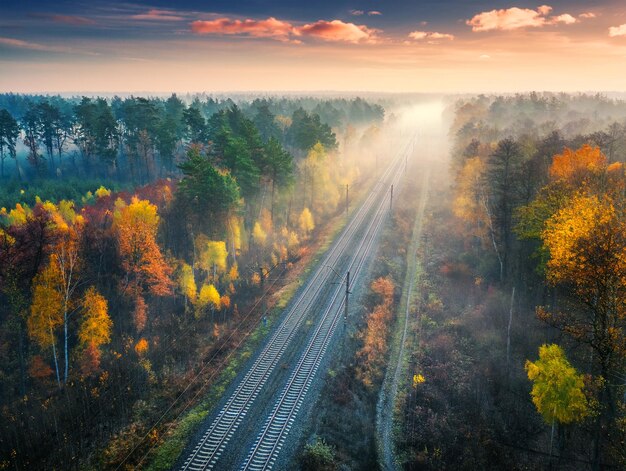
<point x="159" y="15"/>
<point x="615" y="31"/>
<point x="335" y="30"/>
<point x="269" y="28"/>
<point x="516" y="18"/>
<point x="430" y="36"/>
<point x="588" y="15"/>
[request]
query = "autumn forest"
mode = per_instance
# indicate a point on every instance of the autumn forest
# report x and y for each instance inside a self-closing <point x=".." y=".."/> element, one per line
<point x="153" y="249"/>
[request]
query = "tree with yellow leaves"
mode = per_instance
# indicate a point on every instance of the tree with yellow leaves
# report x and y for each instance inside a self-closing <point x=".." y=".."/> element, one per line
<point x="187" y="283"/>
<point x="584" y="239"/>
<point x="63" y="272"/>
<point x="234" y="235"/>
<point x="211" y="256"/>
<point x="208" y="298"/>
<point x="259" y="235"/>
<point x="66" y="255"/>
<point x="95" y="327"/>
<point x="586" y="242"/>
<point x="558" y="389"/>
<point x="306" y="223"/>
<point x="94" y="330"/>
<point x="46" y="312"/>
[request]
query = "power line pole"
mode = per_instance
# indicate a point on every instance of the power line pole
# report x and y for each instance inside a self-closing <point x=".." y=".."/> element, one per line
<point x="391" y="199"/>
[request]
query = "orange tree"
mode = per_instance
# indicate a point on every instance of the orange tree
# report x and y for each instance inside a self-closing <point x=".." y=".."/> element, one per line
<point x="581" y="220"/>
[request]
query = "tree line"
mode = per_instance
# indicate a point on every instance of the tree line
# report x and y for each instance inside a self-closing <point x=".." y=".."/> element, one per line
<point x="541" y="209"/>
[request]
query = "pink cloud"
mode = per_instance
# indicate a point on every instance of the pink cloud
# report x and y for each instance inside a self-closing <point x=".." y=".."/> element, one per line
<point x="357" y="12"/>
<point x="269" y="28"/>
<point x="374" y="13"/>
<point x="544" y="10"/>
<point x="430" y="36"/>
<point x="72" y="20"/>
<point x="335" y="30"/>
<point x="615" y="31"/>
<point x="159" y="15"/>
<point x="587" y="15"/>
<point x="517" y="18"/>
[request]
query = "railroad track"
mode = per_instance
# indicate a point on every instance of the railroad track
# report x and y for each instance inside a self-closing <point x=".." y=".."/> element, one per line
<point x="269" y="442"/>
<point x="212" y="445"/>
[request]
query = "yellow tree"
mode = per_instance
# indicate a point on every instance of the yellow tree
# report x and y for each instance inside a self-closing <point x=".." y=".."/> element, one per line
<point x="586" y="242"/>
<point x="558" y="389"/>
<point x="67" y="256"/>
<point x="187" y="283"/>
<point x="46" y="312"/>
<point x="259" y="235"/>
<point x="94" y="330"/>
<point x="581" y="220"/>
<point x="211" y="255"/>
<point x="63" y="271"/>
<point x="306" y="223"/>
<point x="96" y="324"/>
<point x="208" y="298"/>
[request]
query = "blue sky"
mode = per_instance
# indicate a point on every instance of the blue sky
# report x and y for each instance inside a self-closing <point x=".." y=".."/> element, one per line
<point x="386" y="45"/>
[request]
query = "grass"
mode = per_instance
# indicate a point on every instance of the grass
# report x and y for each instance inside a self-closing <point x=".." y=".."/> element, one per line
<point x="410" y="290"/>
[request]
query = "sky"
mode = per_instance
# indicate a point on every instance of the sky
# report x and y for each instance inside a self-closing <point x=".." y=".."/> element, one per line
<point x="328" y="45"/>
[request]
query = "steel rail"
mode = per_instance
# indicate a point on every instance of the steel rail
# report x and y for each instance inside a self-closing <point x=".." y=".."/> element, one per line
<point x="213" y="442"/>
<point x="269" y="442"/>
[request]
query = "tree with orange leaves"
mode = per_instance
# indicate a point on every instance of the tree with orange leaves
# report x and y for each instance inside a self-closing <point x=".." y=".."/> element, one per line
<point x="574" y="166"/>
<point x="371" y="356"/>
<point x="586" y="241"/>
<point x="135" y="226"/>
<point x="581" y="220"/>
<point x="95" y="328"/>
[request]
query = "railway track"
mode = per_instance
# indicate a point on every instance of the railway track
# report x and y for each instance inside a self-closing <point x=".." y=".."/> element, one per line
<point x="211" y="446"/>
<point x="269" y="442"/>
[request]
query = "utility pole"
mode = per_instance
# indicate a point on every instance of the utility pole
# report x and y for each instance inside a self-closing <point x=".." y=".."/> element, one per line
<point x="391" y="199"/>
<point x="262" y="282"/>
<point x="347" y="200"/>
